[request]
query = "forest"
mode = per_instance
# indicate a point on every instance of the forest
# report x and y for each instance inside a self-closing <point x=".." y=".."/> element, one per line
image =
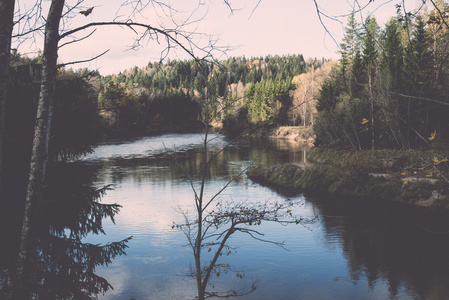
<point x="388" y="90"/>
<point x="390" y="87"/>
<point x="161" y="97"/>
<point x="243" y="92"/>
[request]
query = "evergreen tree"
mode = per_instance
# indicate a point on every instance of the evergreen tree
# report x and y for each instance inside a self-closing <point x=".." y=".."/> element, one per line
<point x="393" y="56"/>
<point x="357" y="76"/>
<point x="350" y="44"/>
<point x="419" y="69"/>
<point x="419" y="60"/>
<point x="392" y="81"/>
<point x="327" y="99"/>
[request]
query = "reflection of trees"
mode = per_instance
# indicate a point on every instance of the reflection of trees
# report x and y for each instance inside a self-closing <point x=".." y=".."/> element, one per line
<point x="216" y="220"/>
<point x="60" y="265"/>
<point x="162" y="167"/>
<point x="407" y="248"/>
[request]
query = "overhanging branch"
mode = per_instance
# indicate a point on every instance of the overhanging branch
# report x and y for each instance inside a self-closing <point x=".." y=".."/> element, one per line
<point x="167" y="33"/>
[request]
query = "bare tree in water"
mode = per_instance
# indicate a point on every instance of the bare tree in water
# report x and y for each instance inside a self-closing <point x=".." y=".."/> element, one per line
<point x="215" y="221"/>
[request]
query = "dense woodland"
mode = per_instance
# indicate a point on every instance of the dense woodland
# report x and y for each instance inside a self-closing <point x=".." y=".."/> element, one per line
<point x="88" y="107"/>
<point x="390" y="87"/>
<point x="388" y="90"/>
<point x="241" y="93"/>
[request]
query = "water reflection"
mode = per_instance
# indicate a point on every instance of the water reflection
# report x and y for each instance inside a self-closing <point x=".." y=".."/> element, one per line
<point x="59" y="264"/>
<point x="356" y="251"/>
<point x="383" y="242"/>
<point x="181" y="156"/>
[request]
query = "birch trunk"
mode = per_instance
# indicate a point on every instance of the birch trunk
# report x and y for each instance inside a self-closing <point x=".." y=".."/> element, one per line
<point x="6" y="25"/>
<point x="39" y="156"/>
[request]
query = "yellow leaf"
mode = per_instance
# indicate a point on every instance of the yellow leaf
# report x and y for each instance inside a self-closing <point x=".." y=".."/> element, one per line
<point x="430" y="174"/>
<point x="404" y="173"/>
<point x="436" y="161"/>
<point x="432" y="136"/>
<point x="414" y="173"/>
<point x="404" y="184"/>
<point x="364" y="121"/>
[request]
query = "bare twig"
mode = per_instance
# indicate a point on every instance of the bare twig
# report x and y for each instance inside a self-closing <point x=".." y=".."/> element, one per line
<point x="83" y="61"/>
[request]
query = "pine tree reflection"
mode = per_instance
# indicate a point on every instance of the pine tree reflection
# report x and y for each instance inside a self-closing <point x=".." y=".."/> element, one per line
<point x="60" y="265"/>
<point x="405" y="247"/>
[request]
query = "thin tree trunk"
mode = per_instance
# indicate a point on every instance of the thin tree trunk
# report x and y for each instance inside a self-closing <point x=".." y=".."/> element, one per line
<point x="313" y="96"/>
<point x="39" y="156"/>
<point x="370" y="84"/>
<point x="6" y="25"/>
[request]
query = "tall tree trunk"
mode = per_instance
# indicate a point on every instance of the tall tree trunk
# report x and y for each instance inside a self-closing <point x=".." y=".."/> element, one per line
<point x="6" y="25"/>
<point x="39" y="156"/>
<point x="371" y="97"/>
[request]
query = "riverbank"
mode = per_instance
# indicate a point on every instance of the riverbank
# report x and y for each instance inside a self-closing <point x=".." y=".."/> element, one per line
<point x="411" y="177"/>
<point x="298" y="134"/>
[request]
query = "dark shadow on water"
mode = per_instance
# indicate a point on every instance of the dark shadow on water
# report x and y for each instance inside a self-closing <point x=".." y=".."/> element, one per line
<point x="59" y="265"/>
<point x="405" y="246"/>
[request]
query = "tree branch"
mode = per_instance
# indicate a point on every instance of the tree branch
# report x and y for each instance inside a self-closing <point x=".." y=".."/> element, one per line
<point x="83" y="61"/>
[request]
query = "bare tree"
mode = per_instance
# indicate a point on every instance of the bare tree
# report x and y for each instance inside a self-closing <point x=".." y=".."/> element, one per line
<point x="215" y="221"/>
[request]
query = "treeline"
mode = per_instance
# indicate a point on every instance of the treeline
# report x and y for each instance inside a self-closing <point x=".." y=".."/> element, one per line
<point x="390" y="86"/>
<point x="162" y="96"/>
<point x="241" y="92"/>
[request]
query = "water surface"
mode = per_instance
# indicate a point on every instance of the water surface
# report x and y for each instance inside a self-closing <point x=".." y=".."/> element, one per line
<point x="352" y="252"/>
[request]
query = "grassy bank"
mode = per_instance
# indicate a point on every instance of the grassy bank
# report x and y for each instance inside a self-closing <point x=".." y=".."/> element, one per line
<point x="412" y="177"/>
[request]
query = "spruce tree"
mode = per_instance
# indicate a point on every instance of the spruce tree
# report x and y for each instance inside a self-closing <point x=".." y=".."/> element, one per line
<point x="393" y="56"/>
<point x="392" y="80"/>
<point x="350" y="44"/>
<point x="419" y="70"/>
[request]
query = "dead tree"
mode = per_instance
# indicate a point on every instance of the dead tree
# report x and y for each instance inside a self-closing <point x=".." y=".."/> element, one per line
<point x="215" y="221"/>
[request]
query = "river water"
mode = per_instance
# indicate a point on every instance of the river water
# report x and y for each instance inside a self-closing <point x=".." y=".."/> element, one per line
<point x="352" y="251"/>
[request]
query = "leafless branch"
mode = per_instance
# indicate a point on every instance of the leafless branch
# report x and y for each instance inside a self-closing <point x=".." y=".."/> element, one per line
<point x="83" y="61"/>
<point x="319" y="13"/>
<point x="254" y="9"/>
<point x="172" y="36"/>
<point x="77" y="40"/>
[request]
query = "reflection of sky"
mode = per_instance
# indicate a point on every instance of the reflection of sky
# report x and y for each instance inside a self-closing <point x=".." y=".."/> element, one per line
<point x="152" y="192"/>
<point x="148" y="146"/>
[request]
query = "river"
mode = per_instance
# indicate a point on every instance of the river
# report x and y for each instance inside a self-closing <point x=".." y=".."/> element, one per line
<point x="353" y="251"/>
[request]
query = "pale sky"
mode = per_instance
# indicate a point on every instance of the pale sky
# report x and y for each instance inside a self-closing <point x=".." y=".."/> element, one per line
<point x="275" y="27"/>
